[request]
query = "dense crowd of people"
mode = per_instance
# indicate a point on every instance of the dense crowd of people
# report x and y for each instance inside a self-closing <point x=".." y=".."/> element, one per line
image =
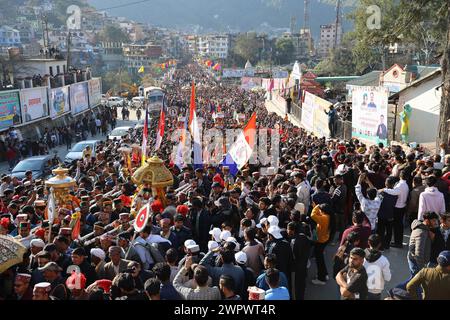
<point x="216" y="236"/>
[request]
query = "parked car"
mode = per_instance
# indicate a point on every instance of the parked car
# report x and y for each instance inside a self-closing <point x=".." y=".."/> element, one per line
<point x="115" y="102"/>
<point x="119" y="132"/>
<point x="76" y="153"/>
<point x="137" y="101"/>
<point x="40" y="166"/>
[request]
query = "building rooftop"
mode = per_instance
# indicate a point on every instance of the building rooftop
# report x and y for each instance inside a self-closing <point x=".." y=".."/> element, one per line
<point x="368" y="79"/>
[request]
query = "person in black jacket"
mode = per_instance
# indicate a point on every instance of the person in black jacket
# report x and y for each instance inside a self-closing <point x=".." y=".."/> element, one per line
<point x="79" y="259"/>
<point x="441" y="239"/>
<point x="301" y="248"/>
<point x="281" y="248"/>
<point x="386" y="214"/>
<point x="200" y="222"/>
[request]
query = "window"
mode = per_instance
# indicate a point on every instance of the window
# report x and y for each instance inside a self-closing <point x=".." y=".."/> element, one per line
<point x="50" y="70"/>
<point x="58" y="70"/>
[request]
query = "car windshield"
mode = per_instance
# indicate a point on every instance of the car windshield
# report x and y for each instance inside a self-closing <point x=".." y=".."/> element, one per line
<point x="25" y="165"/>
<point x="79" y="147"/>
<point x="119" y="132"/>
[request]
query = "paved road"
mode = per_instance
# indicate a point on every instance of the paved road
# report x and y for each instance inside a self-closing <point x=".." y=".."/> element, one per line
<point x="62" y="150"/>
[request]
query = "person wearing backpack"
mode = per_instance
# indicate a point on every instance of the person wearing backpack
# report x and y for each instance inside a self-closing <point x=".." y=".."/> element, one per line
<point x="377" y="268"/>
<point x="147" y="252"/>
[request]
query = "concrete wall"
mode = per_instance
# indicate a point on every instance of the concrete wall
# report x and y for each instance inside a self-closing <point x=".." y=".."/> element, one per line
<point x="425" y="101"/>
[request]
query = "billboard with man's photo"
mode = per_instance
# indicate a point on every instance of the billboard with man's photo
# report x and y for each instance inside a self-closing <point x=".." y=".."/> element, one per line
<point x="370" y="114"/>
<point x="79" y="100"/>
<point x="34" y="103"/>
<point x="10" y="114"/>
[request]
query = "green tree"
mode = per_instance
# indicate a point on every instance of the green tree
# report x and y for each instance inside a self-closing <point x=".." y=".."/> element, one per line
<point x="113" y="34"/>
<point x="114" y="79"/>
<point x="338" y="63"/>
<point x="246" y="48"/>
<point x="285" y="50"/>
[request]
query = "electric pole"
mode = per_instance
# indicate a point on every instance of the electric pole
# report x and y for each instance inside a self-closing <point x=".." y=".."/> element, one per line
<point x="337" y="22"/>
<point x="69" y="42"/>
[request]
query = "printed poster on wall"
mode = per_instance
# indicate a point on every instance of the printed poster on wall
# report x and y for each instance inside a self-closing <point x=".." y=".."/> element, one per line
<point x="370" y="114"/>
<point x="10" y="114"/>
<point x="79" y="97"/>
<point x="59" y="101"/>
<point x="34" y="103"/>
<point x="308" y="112"/>
<point x="95" y="92"/>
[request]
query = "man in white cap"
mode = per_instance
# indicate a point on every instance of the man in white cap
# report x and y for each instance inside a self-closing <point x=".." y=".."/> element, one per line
<point x="192" y="249"/>
<point x="249" y="274"/>
<point x="36" y="246"/>
<point x="215" y="234"/>
<point x="224" y="235"/>
<point x="281" y="248"/>
<point x="98" y="259"/>
<point x="41" y="291"/>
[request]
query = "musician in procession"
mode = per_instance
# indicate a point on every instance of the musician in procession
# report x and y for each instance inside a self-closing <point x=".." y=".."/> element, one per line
<point x="119" y="234"/>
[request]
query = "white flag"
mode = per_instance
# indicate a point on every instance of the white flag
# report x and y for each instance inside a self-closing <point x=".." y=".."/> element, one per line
<point x="51" y="207"/>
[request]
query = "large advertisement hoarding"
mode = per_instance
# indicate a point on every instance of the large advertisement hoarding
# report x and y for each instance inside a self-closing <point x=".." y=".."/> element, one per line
<point x="34" y="104"/>
<point x="237" y="73"/>
<point x="10" y="114"/>
<point x="95" y="92"/>
<point x="79" y="101"/>
<point x="321" y="128"/>
<point x="59" y="101"/>
<point x="308" y="112"/>
<point x="248" y="83"/>
<point x="370" y="114"/>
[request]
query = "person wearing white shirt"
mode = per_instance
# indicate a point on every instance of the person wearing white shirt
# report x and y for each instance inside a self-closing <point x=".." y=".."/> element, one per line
<point x="401" y="190"/>
<point x="431" y="200"/>
<point x="377" y="267"/>
<point x="141" y="244"/>
<point x="303" y="190"/>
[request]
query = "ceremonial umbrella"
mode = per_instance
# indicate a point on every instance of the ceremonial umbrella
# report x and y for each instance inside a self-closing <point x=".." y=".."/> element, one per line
<point x="11" y="252"/>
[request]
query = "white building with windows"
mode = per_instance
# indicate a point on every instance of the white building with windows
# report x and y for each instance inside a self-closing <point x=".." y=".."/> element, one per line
<point x="327" y="37"/>
<point x="9" y="36"/>
<point x="213" y="46"/>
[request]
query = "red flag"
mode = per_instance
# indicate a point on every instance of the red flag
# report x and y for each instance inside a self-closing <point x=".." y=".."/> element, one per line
<point x="250" y="131"/>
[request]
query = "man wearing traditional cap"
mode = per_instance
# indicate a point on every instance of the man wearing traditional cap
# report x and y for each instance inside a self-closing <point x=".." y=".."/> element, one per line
<point x="52" y="274"/>
<point x="98" y="260"/>
<point x="22" y="288"/>
<point x="36" y="246"/>
<point x="118" y="209"/>
<point x="41" y="291"/>
<point x="39" y="207"/>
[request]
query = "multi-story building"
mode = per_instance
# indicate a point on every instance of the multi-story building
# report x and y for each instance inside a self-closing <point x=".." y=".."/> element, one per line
<point x="213" y="46"/>
<point x="111" y="54"/>
<point x="137" y="55"/>
<point x="9" y="36"/>
<point x="330" y="36"/>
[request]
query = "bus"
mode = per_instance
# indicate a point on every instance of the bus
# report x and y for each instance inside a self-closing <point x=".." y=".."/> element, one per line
<point x="154" y="97"/>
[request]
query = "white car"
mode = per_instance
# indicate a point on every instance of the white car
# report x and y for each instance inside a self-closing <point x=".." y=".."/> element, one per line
<point x="140" y="124"/>
<point x="119" y="133"/>
<point x="137" y="101"/>
<point x="115" y="101"/>
<point x="76" y="153"/>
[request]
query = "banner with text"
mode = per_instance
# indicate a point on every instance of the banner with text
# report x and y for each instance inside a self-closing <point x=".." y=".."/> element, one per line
<point x="59" y="101"/>
<point x="321" y="128"/>
<point x="314" y="118"/>
<point x="79" y="97"/>
<point x="34" y="103"/>
<point x="95" y="92"/>
<point x="237" y="73"/>
<point x="370" y="114"/>
<point x="9" y="109"/>
<point x="308" y="112"/>
<point x="248" y="83"/>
